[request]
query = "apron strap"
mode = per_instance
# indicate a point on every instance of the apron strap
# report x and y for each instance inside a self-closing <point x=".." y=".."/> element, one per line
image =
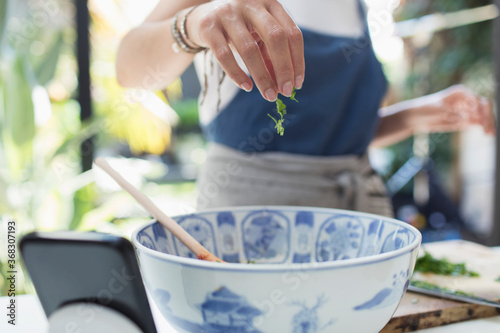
<point x="232" y="178"/>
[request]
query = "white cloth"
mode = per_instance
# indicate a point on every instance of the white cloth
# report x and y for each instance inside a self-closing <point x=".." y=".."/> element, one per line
<point x="232" y="178"/>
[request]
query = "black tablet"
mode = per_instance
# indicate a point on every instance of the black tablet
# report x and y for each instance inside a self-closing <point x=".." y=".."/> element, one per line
<point x="91" y="267"/>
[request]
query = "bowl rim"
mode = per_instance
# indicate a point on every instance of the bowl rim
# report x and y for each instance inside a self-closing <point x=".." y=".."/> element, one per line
<point x="174" y="259"/>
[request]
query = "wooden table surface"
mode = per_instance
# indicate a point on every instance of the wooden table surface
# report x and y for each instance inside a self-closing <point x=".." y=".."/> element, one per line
<point x="418" y="312"/>
<point x="31" y="319"/>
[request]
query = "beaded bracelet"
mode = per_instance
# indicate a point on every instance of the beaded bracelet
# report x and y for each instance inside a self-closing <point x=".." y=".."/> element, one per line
<point x="184" y="31"/>
<point x="180" y="40"/>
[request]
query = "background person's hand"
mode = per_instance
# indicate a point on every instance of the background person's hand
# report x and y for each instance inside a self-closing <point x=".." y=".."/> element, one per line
<point x="454" y="109"/>
<point x="262" y="33"/>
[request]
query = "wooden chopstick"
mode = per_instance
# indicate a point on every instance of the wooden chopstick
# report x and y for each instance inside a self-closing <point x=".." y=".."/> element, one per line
<point x="191" y="243"/>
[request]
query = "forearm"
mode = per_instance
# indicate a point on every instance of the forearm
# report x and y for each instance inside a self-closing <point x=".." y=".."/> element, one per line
<point x="261" y="32"/>
<point x="401" y="120"/>
<point x="145" y="57"/>
<point x="395" y="125"/>
<point x="452" y="109"/>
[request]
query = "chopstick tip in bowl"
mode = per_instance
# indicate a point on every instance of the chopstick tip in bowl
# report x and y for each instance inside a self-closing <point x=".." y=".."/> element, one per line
<point x="181" y="234"/>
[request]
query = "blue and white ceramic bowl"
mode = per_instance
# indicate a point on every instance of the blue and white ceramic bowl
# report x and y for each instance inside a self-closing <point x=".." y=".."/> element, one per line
<point x="312" y="270"/>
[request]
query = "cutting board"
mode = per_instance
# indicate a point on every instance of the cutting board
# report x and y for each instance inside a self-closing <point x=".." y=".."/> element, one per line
<point x="419" y="312"/>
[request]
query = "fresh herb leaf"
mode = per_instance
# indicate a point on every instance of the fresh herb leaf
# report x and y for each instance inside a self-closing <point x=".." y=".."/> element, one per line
<point x="280" y="106"/>
<point x="279" y="125"/>
<point x="281" y="110"/>
<point x="430" y="264"/>
<point x="272" y="118"/>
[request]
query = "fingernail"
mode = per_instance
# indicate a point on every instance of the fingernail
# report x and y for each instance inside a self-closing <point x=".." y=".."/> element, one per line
<point x="270" y="95"/>
<point x="288" y="89"/>
<point x="298" y="81"/>
<point x="246" y="86"/>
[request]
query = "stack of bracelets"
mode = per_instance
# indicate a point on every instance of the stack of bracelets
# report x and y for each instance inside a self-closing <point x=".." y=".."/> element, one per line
<point x="182" y="41"/>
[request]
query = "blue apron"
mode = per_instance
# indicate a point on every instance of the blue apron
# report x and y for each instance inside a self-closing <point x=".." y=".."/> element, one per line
<point x="337" y="112"/>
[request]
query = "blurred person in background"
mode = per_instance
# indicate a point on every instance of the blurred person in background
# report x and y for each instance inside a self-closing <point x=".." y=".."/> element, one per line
<point x="246" y="53"/>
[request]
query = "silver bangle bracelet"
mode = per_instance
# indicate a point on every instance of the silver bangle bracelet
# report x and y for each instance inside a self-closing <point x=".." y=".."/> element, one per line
<point x="184" y="32"/>
<point x="180" y="43"/>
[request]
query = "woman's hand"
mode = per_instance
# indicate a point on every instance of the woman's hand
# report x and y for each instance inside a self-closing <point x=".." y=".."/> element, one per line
<point x="262" y="33"/>
<point x="453" y="109"/>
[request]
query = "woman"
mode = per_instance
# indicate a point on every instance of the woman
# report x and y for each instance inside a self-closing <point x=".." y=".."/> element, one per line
<point x="321" y="47"/>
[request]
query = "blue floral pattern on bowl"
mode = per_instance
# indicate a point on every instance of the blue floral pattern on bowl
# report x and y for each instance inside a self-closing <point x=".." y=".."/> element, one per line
<point x="318" y="270"/>
<point x="267" y="238"/>
<point x="226" y="224"/>
<point x="339" y="238"/>
<point x="307" y="319"/>
<point x="390" y="295"/>
<point x="266" y="235"/>
<point x="201" y="229"/>
<point x="303" y="240"/>
<point x="396" y="240"/>
<point x="222" y="311"/>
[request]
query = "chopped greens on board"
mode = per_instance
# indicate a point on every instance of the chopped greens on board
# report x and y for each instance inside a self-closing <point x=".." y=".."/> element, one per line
<point x="429" y="264"/>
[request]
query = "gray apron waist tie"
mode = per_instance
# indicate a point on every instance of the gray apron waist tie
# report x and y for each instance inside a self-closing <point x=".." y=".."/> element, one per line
<point x="232" y="178"/>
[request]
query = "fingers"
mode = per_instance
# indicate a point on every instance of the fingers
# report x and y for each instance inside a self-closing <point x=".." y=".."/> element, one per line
<point x="224" y="55"/>
<point x="295" y="41"/>
<point x="464" y="108"/>
<point x="463" y="103"/>
<point x="453" y="109"/>
<point x="250" y="52"/>
<point x="265" y="37"/>
<point x="274" y="37"/>
<point x="211" y="34"/>
<point x="487" y="117"/>
<point x="453" y="120"/>
<point x="470" y="108"/>
<point x="266" y="57"/>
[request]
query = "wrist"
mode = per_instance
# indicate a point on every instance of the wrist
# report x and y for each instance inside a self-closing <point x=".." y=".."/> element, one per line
<point x="403" y="116"/>
<point x="421" y="118"/>
<point x="190" y="26"/>
<point x="408" y="121"/>
<point x="180" y="34"/>
<point x="411" y="121"/>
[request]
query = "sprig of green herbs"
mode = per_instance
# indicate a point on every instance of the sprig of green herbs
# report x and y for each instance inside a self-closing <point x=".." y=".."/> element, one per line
<point x="429" y="264"/>
<point x="281" y="110"/>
